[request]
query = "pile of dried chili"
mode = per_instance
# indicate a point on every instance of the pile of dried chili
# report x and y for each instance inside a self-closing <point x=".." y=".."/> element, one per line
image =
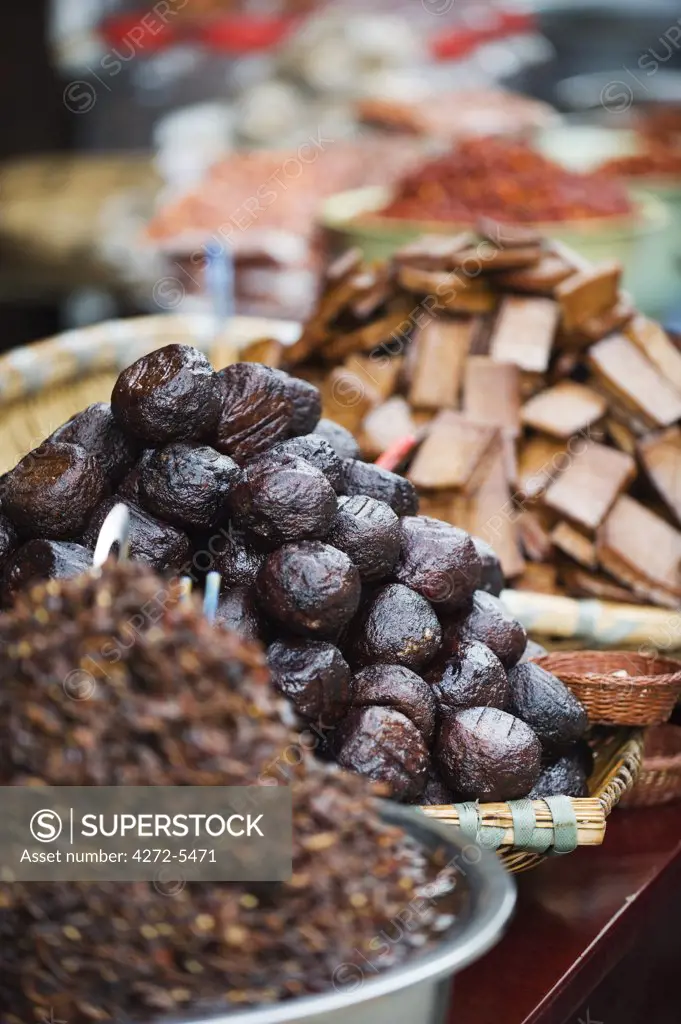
<point x="508" y="181"/>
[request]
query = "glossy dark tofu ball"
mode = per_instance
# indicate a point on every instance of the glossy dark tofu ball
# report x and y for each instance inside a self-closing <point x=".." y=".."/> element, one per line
<point x="546" y="704"/>
<point x="161" y="545"/>
<point x="310" y="588"/>
<point x="96" y="430"/>
<point x="488" y="755"/>
<point x="9" y="539"/>
<point x="283" y="500"/>
<point x="306" y="401"/>
<point x="171" y="394"/>
<point x="368" y="531"/>
<point x="565" y="776"/>
<point x="488" y="622"/>
<point x="492" y="576"/>
<point x="54" y="490"/>
<point x="472" y="677"/>
<point x="396" y="626"/>
<point x="317" y="452"/>
<point x="394" y="686"/>
<point x="256" y="411"/>
<point x="533" y="650"/>
<point x="387" y="747"/>
<point x="437" y="793"/>
<point x="237" y="558"/>
<point x="340" y="439"/>
<point x="313" y="675"/>
<point x="42" y="560"/>
<point x="188" y="485"/>
<point x="437" y="560"/>
<point x="130" y="486"/>
<point x="237" y="611"/>
<point x="374" y="482"/>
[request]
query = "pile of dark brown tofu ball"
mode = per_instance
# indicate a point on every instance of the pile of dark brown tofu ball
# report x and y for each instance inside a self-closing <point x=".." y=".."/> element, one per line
<point x="382" y="626"/>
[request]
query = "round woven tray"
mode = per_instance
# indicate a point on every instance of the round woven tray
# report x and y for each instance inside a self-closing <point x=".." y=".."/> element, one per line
<point x="646" y="695"/>
<point x="659" y="781"/>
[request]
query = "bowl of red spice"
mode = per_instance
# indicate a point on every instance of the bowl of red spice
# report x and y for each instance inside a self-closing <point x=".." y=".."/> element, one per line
<point x="510" y="181"/>
<point x="645" y="157"/>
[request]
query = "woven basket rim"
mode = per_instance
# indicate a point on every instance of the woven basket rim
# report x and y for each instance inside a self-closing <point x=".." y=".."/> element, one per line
<point x="571" y="673"/>
<point x="664" y="762"/>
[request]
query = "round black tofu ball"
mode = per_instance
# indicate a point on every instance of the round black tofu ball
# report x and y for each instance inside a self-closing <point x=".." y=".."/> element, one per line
<point x="9" y="539"/>
<point x="546" y="704"/>
<point x="238" y="559"/>
<point x="488" y="755"/>
<point x="488" y="622"/>
<point x="54" y="490"/>
<point x="96" y="430"/>
<point x="387" y="747"/>
<point x="159" y="544"/>
<point x="313" y="675"/>
<point x="375" y="482"/>
<point x="563" y="777"/>
<point x="310" y="588"/>
<point x="256" y="411"/>
<point x="42" y="560"/>
<point x="492" y="576"/>
<point x="188" y="485"/>
<point x="305" y="400"/>
<point x="394" y="686"/>
<point x="171" y="394"/>
<point x="237" y="611"/>
<point x="283" y="500"/>
<point x="472" y="677"/>
<point x="340" y="439"/>
<point x="438" y="561"/>
<point x="396" y="626"/>
<point x="368" y="531"/>
<point x="317" y="452"/>
<point x="131" y="484"/>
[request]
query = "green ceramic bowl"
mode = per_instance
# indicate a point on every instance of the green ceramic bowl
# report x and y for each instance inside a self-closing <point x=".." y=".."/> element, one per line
<point x="635" y="239"/>
<point x="584" y="147"/>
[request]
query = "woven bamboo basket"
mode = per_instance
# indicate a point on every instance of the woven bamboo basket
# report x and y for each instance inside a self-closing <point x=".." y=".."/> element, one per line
<point x="43" y="384"/>
<point x="618" y="757"/>
<point x="645" y="695"/>
<point x="659" y="781"/>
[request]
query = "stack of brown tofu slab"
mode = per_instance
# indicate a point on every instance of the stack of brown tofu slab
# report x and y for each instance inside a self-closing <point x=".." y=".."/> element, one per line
<point x="544" y="409"/>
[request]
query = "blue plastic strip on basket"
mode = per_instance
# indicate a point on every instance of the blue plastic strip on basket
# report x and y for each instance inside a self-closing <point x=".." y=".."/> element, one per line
<point x="561" y="838"/>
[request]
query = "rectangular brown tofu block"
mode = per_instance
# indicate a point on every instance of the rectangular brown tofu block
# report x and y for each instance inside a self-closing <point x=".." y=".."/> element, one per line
<point x="451" y="452"/>
<point x="524" y="333"/>
<point x="491" y="393"/>
<point x="624" y="370"/>
<point x="379" y="371"/>
<point x="384" y="425"/>
<point x="564" y="410"/>
<point x="541" y="279"/>
<point x="540" y="462"/>
<point x="572" y="542"/>
<point x="652" y="339"/>
<point x="437" y="361"/>
<point x="346" y="399"/>
<point x="588" y="293"/>
<point x="633" y="537"/>
<point x="587" y="489"/>
<point x="660" y="454"/>
<point x="487" y="510"/>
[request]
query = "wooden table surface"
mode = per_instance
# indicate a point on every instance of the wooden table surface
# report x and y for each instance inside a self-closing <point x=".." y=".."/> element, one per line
<point x="596" y="938"/>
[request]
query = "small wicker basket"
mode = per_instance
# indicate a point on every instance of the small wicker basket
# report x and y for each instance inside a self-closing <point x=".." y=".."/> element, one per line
<point x="619" y="687"/>
<point x="660" y="779"/>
